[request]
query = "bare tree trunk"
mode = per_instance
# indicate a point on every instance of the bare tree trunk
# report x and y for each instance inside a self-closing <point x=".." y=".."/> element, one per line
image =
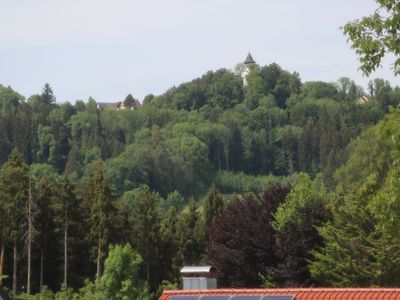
<point x="290" y="163"/>
<point x="41" y="270"/>
<point x="30" y="229"/>
<point x="65" y="254"/>
<point x="219" y="158"/>
<point x="98" y="261"/>
<point x="226" y="152"/>
<point x="270" y="129"/>
<point x="14" y="283"/>
<point x="147" y="260"/>
<point x="2" y="250"/>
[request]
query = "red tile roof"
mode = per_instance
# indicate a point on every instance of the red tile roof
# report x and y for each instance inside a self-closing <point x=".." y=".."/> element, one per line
<point x="300" y="294"/>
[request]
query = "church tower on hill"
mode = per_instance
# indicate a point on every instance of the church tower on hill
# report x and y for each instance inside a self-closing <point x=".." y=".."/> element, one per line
<point x="249" y="61"/>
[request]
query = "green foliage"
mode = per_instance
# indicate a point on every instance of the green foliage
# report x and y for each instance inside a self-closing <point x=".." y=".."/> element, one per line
<point x="213" y="205"/>
<point x="129" y="101"/>
<point x="45" y="294"/>
<point x="280" y="83"/>
<point x="174" y="199"/>
<point x="13" y="194"/>
<point x="120" y="280"/>
<point x="348" y="90"/>
<point x="319" y="90"/>
<point x="166" y="285"/>
<point x="145" y="216"/>
<point x="65" y="294"/>
<point x="47" y="144"/>
<point x="39" y="171"/>
<point x="100" y="199"/>
<point x="229" y="182"/>
<point x="254" y="88"/>
<point x="190" y="236"/>
<point x="91" y="291"/>
<point x="296" y="235"/>
<point x="169" y="246"/>
<point x="345" y="259"/>
<point x="9" y="98"/>
<point x="361" y="246"/>
<point x="304" y="193"/>
<point x="374" y="36"/>
<point x="226" y="90"/>
<point x="212" y="129"/>
<point x="267" y="281"/>
<point x="359" y="165"/>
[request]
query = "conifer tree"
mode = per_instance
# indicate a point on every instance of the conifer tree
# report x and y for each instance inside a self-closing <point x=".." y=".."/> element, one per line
<point x="146" y="224"/>
<point x="47" y="95"/>
<point x="296" y="235"/>
<point x="169" y="245"/>
<point x="345" y="260"/>
<point x="67" y="216"/>
<point x="14" y="182"/>
<point x="30" y="234"/>
<point x="213" y="205"/>
<point x="100" y="199"/>
<point x="45" y="225"/>
<point x="190" y="235"/>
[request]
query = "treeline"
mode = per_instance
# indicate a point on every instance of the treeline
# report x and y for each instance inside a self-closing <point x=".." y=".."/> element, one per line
<point x="313" y="236"/>
<point x="198" y="132"/>
<point x="54" y="235"/>
<point x="75" y="179"/>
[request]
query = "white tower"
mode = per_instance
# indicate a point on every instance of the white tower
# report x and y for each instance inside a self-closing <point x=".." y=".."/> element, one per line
<point x="249" y="61"/>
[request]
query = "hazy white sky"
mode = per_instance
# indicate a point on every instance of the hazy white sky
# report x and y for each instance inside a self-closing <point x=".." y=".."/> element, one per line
<point x="109" y="48"/>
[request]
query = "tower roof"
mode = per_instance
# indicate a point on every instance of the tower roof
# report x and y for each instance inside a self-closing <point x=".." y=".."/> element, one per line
<point x="249" y="60"/>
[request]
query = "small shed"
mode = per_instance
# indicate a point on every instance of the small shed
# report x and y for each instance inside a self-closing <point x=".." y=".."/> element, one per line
<point x="198" y="277"/>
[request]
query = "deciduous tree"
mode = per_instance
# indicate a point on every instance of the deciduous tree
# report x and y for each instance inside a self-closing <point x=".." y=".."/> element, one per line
<point x="242" y="238"/>
<point x="376" y="35"/>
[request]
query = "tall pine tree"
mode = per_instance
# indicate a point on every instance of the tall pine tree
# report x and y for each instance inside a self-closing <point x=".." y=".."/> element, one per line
<point x="100" y="199"/>
<point x="146" y="224"/>
<point x="67" y="216"/>
<point x="14" y="183"/>
<point x="44" y="195"/>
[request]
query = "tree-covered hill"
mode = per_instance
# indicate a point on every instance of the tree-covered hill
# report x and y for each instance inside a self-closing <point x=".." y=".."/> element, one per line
<point x="178" y="177"/>
<point x="199" y="132"/>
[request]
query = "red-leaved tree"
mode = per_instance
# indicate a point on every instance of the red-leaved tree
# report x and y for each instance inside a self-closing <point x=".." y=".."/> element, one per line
<point x="242" y="238"/>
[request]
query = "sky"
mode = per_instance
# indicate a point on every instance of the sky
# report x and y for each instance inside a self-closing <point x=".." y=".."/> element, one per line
<point x="107" y="49"/>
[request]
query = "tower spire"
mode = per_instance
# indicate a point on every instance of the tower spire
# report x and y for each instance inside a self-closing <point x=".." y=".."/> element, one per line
<point x="249" y="59"/>
<point x="248" y="63"/>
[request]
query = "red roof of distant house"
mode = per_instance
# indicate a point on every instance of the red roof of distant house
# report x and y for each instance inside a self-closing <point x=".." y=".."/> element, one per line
<point x="300" y="294"/>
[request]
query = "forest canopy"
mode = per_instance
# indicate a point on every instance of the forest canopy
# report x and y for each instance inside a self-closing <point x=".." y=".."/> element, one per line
<point x="103" y="193"/>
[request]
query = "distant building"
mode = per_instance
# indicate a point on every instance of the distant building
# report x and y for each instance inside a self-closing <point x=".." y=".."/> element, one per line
<point x="135" y="104"/>
<point x="249" y="61"/>
<point x="364" y="99"/>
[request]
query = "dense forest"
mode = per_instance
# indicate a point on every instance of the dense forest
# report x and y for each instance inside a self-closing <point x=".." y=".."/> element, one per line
<point x="277" y="182"/>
